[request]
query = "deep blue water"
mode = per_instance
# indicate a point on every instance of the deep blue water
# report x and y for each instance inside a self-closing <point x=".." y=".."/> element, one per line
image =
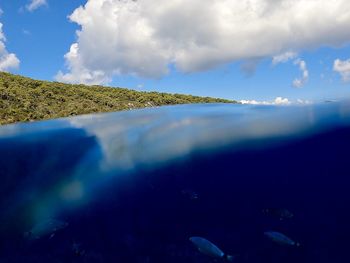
<point x="134" y="186"/>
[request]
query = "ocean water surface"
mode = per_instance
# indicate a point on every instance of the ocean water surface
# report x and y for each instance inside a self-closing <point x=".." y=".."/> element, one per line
<point x="136" y="186"/>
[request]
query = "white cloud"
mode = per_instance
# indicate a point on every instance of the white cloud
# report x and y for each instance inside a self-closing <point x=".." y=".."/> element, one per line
<point x="8" y="60"/>
<point x="277" y="101"/>
<point x="300" y="82"/>
<point x="144" y="37"/>
<point x="35" y="4"/>
<point x="282" y="101"/>
<point x="287" y="56"/>
<point x="284" y="57"/>
<point x="305" y="102"/>
<point x="79" y="74"/>
<point x="343" y="68"/>
<point x="26" y="32"/>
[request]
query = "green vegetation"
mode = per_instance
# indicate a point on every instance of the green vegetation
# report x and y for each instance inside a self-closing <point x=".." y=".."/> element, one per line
<point x="25" y="99"/>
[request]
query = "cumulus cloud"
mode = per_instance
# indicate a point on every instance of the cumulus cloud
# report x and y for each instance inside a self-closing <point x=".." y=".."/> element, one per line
<point x="284" y="57"/>
<point x="301" y="101"/>
<point x="287" y="56"/>
<point x="35" y="4"/>
<point x="300" y="82"/>
<point x="277" y="101"/>
<point x="343" y="68"/>
<point x="78" y="73"/>
<point x="144" y="37"/>
<point x="8" y="60"/>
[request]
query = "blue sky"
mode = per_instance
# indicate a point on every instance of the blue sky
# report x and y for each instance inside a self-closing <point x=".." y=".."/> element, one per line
<point x="41" y="37"/>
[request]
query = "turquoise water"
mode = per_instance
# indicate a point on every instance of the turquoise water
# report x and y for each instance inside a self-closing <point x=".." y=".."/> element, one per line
<point x="135" y="186"/>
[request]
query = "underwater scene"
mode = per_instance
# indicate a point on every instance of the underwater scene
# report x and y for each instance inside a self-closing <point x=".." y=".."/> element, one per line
<point x="190" y="184"/>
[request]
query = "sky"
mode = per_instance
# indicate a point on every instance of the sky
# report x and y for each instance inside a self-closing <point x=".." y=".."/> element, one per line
<point x="257" y="51"/>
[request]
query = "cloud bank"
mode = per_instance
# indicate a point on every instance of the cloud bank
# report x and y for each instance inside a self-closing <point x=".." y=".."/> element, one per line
<point x="277" y="101"/>
<point x="35" y="4"/>
<point x="145" y="37"/>
<point x="8" y="60"/>
<point x="343" y="68"/>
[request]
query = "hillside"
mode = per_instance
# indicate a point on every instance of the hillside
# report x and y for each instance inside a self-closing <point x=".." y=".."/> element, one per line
<point x="25" y="99"/>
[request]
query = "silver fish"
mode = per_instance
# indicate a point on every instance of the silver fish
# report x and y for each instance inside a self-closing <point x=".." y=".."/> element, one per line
<point x="280" y="213"/>
<point x="281" y="238"/>
<point x="45" y="228"/>
<point x="77" y="249"/>
<point x="188" y="193"/>
<point x="207" y="248"/>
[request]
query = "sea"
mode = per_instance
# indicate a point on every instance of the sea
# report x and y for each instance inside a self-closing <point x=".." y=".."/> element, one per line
<point x="135" y="186"/>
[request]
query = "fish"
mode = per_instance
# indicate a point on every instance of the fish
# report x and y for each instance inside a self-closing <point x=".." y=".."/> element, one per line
<point x="281" y="238"/>
<point x="208" y="248"/>
<point x="280" y="213"/>
<point x="47" y="227"/>
<point x="190" y="194"/>
<point x="78" y="250"/>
